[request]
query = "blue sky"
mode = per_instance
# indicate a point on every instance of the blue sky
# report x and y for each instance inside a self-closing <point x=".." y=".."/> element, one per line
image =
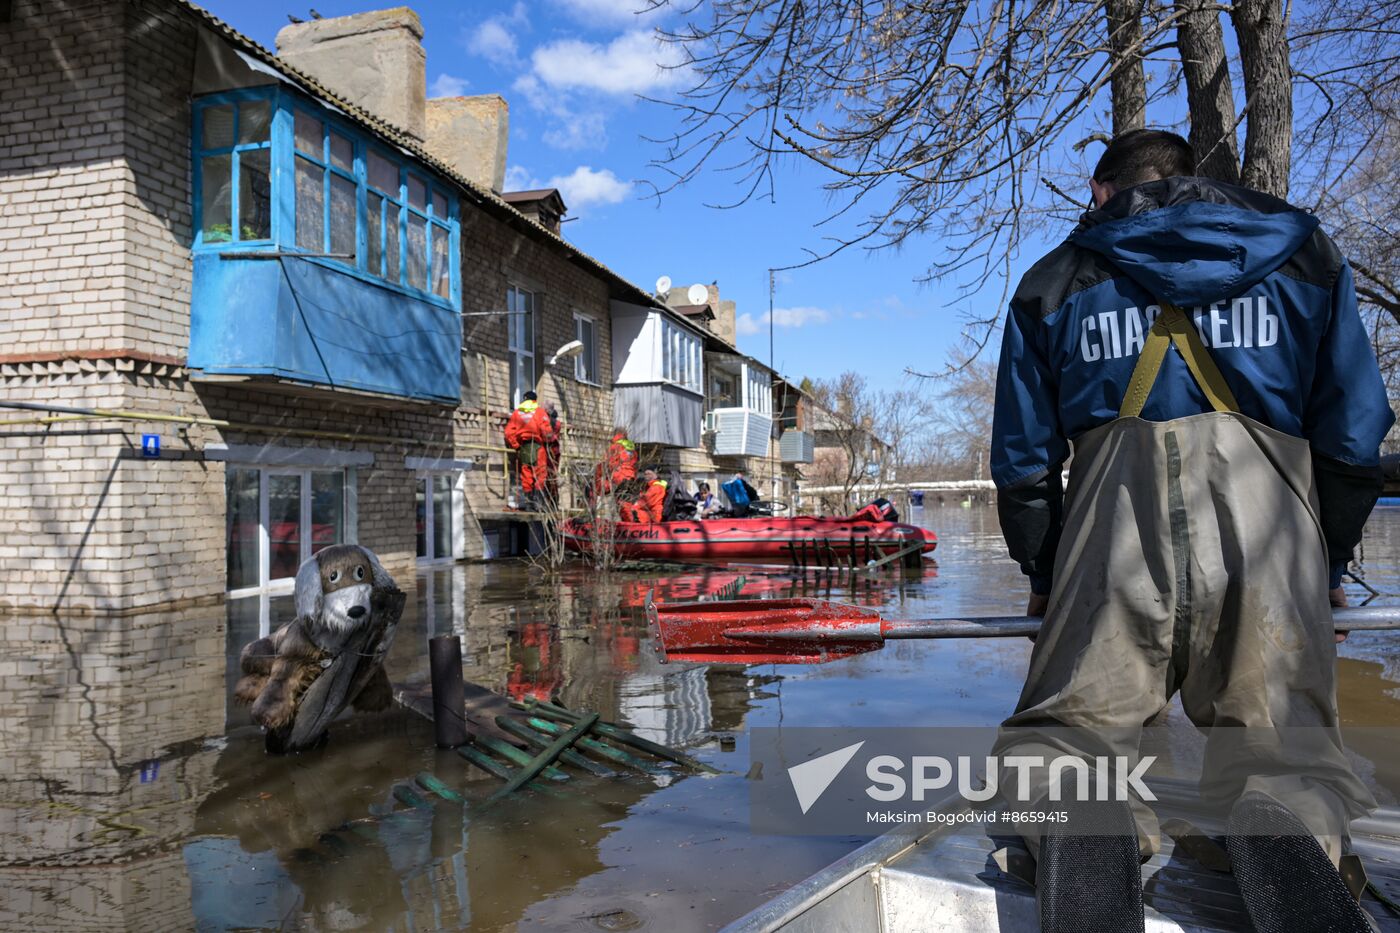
<point x="572" y="71"/>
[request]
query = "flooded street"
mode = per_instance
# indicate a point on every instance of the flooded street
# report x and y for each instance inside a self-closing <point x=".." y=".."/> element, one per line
<point x="136" y="795"/>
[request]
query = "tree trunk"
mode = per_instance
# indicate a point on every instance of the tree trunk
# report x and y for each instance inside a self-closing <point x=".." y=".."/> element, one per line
<point x="1208" y="90"/>
<point x="1268" y="87"/>
<point x="1129" y="83"/>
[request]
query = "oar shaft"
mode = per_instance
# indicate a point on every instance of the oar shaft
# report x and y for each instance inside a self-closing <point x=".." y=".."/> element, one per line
<point x="1361" y="618"/>
<point x="988" y="627"/>
<point x="1368" y="618"/>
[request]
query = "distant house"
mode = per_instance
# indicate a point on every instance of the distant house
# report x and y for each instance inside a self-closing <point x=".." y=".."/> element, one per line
<point x="723" y="409"/>
<point x="845" y="455"/>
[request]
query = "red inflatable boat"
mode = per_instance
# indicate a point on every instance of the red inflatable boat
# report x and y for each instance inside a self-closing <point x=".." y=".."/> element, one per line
<point x="743" y="538"/>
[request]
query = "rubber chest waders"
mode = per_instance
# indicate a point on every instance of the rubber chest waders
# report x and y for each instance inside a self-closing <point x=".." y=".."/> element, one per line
<point x="1192" y="561"/>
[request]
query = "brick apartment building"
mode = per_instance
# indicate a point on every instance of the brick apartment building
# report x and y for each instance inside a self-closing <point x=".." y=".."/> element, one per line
<point x="257" y="304"/>
<point x="289" y="277"/>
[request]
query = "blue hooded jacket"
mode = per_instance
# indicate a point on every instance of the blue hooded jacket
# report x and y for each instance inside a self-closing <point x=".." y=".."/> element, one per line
<point x="1269" y="294"/>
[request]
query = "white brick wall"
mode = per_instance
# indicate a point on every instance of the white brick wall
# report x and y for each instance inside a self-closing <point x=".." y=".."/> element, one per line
<point x="95" y="275"/>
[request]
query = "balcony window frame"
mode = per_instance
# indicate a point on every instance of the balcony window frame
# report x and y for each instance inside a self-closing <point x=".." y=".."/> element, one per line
<point x="679" y="356"/>
<point x="235" y="151"/>
<point x="440" y="211"/>
<point x="757" y="390"/>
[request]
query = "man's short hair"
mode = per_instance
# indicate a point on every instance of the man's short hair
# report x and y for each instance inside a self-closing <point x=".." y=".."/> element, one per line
<point x="529" y="397"/>
<point x="1139" y="156"/>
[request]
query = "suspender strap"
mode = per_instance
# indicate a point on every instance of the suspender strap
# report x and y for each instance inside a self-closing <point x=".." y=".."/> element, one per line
<point x="1173" y="327"/>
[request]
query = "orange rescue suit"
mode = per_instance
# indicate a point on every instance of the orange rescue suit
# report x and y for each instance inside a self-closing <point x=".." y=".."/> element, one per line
<point x="529" y="433"/>
<point x="621" y="464"/>
<point x="649" y="507"/>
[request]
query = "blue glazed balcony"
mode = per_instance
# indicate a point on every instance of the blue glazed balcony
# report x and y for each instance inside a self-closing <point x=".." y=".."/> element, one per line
<point x="309" y="322"/>
<point x="321" y="257"/>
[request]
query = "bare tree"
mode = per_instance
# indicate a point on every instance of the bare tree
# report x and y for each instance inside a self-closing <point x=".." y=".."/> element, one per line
<point x="1129" y="86"/>
<point x="942" y="117"/>
<point x="844" y="430"/>
<point x="964" y="415"/>
<point x="1349" y="138"/>
<point x="1209" y="91"/>
<point x="865" y="438"/>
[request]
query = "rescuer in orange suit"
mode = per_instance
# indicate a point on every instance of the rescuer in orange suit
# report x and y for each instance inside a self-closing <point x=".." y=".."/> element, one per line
<point x="648" y="508"/>
<point x="529" y="433"/>
<point x="620" y="466"/>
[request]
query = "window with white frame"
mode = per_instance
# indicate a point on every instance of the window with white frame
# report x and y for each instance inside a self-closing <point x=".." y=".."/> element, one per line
<point x="520" y="328"/>
<point x="435" y="516"/>
<point x="680" y="356"/>
<point x="586" y="363"/>
<point x="758" y="391"/>
<point x="277" y="517"/>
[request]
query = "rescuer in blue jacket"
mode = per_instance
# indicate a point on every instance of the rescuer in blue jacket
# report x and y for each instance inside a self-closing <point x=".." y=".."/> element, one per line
<point x="1197" y="347"/>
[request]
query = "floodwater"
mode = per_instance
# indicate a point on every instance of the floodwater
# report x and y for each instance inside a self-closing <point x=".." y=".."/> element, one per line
<point x="136" y="795"/>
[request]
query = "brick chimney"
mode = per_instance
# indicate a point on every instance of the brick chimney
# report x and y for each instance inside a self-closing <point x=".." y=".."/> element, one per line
<point x="724" y="325"/>
<point x="470" y="134"/>
<point x="374" y="60"/>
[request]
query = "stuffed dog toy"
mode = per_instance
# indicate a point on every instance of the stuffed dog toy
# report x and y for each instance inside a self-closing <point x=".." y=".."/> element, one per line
<point x="335" y="599"/>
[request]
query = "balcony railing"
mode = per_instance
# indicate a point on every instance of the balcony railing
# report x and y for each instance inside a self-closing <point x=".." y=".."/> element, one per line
<point x="310" y="322"/>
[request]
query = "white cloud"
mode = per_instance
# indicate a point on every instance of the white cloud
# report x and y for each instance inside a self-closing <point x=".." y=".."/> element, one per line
<point x="581" y="189"/>
<point x="799" y="317"/>
<point x="590" y="11"/>
<point x="633" y="63"/>
<point x="568" y="126"/>
<point x="529" y="87"/>
<point x="578" y="131"/>
<point x="494" y="40"/>
<point x="445" y="85"/>
<point x="749" y="324"/>
<point x="519" y="179"/>
<point x="567" y="77"/>
<point x="584" y="187"/>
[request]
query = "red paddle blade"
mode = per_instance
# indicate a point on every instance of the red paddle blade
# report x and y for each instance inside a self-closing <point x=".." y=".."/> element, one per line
<point x="733" y="632"/>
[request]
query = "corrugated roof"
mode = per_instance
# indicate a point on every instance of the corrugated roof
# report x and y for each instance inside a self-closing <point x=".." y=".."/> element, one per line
<point x="700" y="311"/>
<point x="488" y="199"/>
<point x="534" y="194"/>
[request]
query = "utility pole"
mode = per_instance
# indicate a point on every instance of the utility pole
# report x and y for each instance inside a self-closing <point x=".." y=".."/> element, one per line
<point x="772" y="366"/>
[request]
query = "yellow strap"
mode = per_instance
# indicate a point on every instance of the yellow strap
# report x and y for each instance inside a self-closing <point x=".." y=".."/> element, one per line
<point x="1174" y="327"/>
<point x="1154" y="350"/>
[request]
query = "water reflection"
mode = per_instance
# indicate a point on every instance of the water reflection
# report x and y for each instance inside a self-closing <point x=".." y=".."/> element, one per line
<point x="138" y="795"/>
<point x="110" y="729"/>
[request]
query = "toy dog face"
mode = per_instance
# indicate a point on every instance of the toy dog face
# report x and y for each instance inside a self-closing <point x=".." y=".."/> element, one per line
<point x="334" y="586"/>
<point x="346" y="579"/>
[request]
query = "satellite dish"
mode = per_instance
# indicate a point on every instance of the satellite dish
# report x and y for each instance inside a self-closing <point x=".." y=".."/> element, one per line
<point x="698" y="295"/>
<point x="663" y="285"/>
